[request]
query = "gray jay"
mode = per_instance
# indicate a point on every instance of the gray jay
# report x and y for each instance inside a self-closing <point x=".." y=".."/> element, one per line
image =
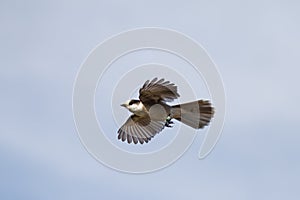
<point x="151" y="113"/>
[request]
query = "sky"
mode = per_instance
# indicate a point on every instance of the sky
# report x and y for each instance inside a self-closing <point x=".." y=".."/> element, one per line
<point x="255" y="45"/>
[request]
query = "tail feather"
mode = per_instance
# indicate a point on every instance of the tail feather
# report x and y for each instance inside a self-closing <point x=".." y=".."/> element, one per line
<point x="195" y="114"/>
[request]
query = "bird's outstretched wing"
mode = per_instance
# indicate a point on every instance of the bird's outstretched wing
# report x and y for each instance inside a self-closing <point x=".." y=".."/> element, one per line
<point x="139" y="129"/>
<point x="156" y="91"/>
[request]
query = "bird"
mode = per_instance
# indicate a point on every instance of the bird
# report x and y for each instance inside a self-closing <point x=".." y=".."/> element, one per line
<point x="151" y="113"/>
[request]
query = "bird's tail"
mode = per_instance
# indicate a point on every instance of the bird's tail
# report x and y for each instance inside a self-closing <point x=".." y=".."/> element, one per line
<point x="195" y="114"/>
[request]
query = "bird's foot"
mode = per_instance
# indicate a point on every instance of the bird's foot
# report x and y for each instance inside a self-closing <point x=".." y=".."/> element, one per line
<point x="169" y="122"/>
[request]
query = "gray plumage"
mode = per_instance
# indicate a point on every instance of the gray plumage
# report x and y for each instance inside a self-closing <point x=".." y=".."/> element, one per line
<point x="151" y="113"/>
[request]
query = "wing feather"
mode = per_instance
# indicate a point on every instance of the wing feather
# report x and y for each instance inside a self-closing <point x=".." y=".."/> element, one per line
<point x="139" y="129"/>
<point x="156" y="91"/>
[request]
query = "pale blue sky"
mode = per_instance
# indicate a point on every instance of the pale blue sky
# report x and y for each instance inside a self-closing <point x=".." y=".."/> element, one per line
<point x="255" y="44"/>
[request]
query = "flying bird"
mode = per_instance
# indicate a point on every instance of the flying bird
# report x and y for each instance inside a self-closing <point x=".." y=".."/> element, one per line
<point x="151" y="113"/>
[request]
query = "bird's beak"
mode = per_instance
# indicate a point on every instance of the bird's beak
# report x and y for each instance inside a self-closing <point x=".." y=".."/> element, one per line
<point x="124" y="105"/>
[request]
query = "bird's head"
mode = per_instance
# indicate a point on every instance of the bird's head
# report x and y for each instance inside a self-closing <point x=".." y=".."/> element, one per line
<point x="132" y="105"/>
